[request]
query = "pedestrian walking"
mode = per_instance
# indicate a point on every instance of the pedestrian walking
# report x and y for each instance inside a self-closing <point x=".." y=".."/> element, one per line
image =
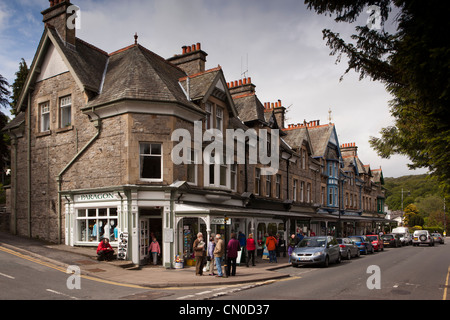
<point x="271" y="244"/>
<point x="210" y="257"/>
<point x="155" y="250"/>
<point x="199" y="249"/>
<point x="291" y="246"/>
<point x="251" y="248"/>
<point x="218" y="252"/>
<point x="232" y="252"/>
<point x="243" y="243"/>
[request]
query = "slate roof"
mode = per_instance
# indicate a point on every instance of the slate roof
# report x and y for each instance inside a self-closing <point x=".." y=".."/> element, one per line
<point x="200" y="84"/>
<point x="249" y="107"/>
<point x="297" y="137"/>
<point x="320" y="135"/>
<point x="87" y="61"/>
<point x="136" y="73"/>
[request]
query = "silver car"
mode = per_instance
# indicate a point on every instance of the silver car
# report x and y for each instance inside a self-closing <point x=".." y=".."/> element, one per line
<point x="422" y="237"/>
<point x="316" y="250"/>
<point x="348" y="248"/>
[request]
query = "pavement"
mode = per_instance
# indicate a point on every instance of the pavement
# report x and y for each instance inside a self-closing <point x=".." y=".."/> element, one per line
<point x="125" y="273"/>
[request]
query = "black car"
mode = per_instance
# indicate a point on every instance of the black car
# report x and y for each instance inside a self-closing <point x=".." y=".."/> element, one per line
<point x="391" y="240"/>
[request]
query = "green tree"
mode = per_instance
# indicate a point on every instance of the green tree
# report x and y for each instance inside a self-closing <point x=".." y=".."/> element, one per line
<point x="4" y="140"/>
<point x="414" y="65"/>
<point x="4" y="92"/>
<point x="21" y="77"/>
<point x="410" y="215"/>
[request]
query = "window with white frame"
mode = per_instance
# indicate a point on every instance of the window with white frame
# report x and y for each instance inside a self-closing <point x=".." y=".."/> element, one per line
<point x="278" y="186"/>
<point x="219" y="118"/>
<point x="208" y="118"/>
<point x="151" y="164"/>
<point x="257" y="181"/>
<point x="294" y="190"/>
<point x="192" y="168"/>
<point x="268" y="185"/>
<point x="94" y="224"/>
<point x="308" y="192"/>
<point x="302" y="191"/>
<point x="45" y="116"/>
<point x="233" y="176"/>
<point x="217" y="174"/>
<point x="65" y="111"/>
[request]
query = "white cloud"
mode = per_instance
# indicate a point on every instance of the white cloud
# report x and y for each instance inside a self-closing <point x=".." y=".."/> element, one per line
<point x="287" y="57"/>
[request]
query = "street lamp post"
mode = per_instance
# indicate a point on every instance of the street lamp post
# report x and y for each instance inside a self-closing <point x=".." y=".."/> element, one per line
<point x="225" y="264"/>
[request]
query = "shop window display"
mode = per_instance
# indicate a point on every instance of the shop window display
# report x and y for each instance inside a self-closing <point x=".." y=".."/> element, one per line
<point x="95" y="224"/>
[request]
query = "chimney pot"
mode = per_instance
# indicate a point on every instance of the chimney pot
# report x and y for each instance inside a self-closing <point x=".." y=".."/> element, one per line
<point x="245" y="81"/>
<point x="240" y="82"/>
<point x="194" y="47"/>
<point x="184" y="49"/>
<point x="198" y="46"/>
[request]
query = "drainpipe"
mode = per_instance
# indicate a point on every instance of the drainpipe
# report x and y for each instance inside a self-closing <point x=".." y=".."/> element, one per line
<point x="29" y="165"/>
<point x="97" y="124"/>
<point x="14" y="143"/>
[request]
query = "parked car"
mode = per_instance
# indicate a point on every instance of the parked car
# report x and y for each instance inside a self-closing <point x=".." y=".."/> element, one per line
<point x="405" y="236"/>
<point x="422" y="237"/>
<point x="362" y="243"/>
<point x="438" y="237"/>
<point x="348" y="248"/>
<point x="316" y="250"/>
<point x="377" y="243"/>
<point x="391" y="240"/>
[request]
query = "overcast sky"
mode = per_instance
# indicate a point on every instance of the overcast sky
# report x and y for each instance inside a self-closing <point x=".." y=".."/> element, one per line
<point x="279" y="44"/>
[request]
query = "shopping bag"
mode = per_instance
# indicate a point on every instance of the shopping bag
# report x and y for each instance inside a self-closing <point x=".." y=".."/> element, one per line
<point x="265" y="255"/>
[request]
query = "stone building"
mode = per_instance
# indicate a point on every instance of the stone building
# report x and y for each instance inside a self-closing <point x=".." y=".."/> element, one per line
<point x="96" y="133"/>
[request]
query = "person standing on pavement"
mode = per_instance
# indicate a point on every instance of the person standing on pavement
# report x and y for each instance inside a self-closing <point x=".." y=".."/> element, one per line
<point x="218" y="252"/>
<point x="232" y="252"/>
<point x="251" y="248"/>
<point x="199" y="249"/>
<point x="155" y="250"/>
<point x="291" y="246"/>
<point x="210" y="257"/>
<point x="271" y="244"/>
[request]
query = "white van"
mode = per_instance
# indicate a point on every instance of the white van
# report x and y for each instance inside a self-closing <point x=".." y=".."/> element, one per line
<point x="405" y="236"/>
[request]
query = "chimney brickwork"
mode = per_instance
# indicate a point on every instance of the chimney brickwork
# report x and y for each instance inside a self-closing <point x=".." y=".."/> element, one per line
<point x="56" y="16"/>
<point x="192" y="59"/>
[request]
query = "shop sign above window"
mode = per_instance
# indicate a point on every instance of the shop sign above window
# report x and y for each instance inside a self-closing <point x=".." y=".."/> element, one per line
<point x="95" y="197"/>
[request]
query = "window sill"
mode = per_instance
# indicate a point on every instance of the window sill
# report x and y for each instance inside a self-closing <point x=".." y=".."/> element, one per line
<point x="65" y="129"/>
<point x="43" y="134"/>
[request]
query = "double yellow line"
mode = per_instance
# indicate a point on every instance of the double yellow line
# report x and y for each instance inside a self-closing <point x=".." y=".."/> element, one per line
<point x="62" y="269"/>
<point x="446" y="285"/>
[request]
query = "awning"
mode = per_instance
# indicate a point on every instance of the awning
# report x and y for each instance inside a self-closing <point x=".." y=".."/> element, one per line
<point x="193" y="209"/>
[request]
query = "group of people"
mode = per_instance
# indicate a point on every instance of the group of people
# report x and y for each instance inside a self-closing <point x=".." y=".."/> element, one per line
<point x="213" y="254"/>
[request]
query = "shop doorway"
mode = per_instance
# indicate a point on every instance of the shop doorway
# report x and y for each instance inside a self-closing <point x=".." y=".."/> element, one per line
<point x="150" y="224"/>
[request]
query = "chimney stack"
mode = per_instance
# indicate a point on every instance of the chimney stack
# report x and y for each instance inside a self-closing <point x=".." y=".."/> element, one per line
<point x="241" y="87"/>
<point x="192" y="59"/>
<point x="56" y="16"/>
<point x="349" y="149"/>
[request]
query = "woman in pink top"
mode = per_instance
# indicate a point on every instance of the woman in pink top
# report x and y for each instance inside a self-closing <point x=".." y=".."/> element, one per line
<point x="251" y="247"/>
<point x="155" y="250"/>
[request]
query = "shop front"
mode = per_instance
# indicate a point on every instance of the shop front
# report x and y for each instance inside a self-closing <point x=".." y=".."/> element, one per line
<point x="129" y="218"/>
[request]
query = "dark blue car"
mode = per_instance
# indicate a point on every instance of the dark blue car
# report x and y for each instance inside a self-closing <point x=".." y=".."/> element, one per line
<point x="363" y="243"/>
